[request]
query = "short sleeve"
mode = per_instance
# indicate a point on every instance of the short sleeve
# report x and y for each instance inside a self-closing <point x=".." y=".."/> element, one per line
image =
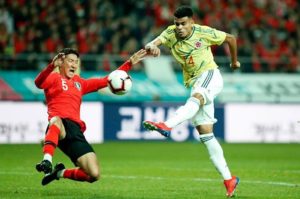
<point x="214" y="36"/>
<point x="167" y="35"/>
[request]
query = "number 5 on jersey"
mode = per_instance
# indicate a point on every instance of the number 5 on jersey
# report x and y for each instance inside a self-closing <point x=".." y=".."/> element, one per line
<point x="64" y="84"/>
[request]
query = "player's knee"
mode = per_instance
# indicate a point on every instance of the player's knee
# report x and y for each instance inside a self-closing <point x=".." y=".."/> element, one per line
<point x="56" y="121"/>
<point x="200" y="97"/>
<point x="204" y="129"/>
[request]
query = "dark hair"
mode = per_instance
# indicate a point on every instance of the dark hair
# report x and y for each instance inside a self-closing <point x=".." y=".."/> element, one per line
<point x="67" y="51"/>
<point x="183" y="11"/>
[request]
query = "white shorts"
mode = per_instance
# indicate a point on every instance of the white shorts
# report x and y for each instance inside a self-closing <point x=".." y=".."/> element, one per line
<point x="209" y="85"/>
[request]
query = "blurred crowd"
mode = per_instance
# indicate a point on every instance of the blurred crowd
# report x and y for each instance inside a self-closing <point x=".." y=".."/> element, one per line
<point x="267" y="30"/>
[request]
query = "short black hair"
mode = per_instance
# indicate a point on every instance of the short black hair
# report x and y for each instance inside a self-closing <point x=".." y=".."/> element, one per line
<point x="183" y="11"/>
<point x="67" y="51"/>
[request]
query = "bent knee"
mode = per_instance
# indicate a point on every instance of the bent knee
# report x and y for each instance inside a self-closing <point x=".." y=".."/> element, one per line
<point x="56" y="121"/>
<point x="200" y="97"/>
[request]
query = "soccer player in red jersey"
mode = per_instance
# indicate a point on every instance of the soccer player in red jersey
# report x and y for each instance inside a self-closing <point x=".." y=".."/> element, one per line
<point x="64" y="91"/>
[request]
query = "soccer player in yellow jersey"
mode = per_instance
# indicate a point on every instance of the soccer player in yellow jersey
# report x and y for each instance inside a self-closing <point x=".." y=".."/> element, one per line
<point x="190" y="44"/>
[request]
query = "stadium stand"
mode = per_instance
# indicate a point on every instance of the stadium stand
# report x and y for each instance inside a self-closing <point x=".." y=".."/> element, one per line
<point x="267" y="30"/>
<point x="106" y="31"/>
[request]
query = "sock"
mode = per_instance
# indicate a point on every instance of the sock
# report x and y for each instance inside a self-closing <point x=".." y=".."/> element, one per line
<point x="185" y="112"/>
<point x="48" y="157"/>
<point x="51" y="140"/>
<point x="216" y="155"/>
<point x="76" y="174"/>
<point x="60" y="174"/>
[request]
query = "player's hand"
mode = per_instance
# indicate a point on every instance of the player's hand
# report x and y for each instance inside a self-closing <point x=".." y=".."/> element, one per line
<point x="138" y="56"/>
<point x="235" y="65"/>
<point x="152" y="50"/>
<point x="58" y="59"/>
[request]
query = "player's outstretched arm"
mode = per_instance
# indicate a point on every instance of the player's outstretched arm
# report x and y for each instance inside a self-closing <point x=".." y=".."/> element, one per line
<point x="56" y="62"/>
<point x="231" y="40"/>
<point x="152" y="47"/>
<point x="94" y="84"/>
<point x="138" y="56"/>
<point x="134" y="59"/>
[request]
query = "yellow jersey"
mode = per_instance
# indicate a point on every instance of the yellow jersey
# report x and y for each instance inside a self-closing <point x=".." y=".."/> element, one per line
<point x="193" y="53"/>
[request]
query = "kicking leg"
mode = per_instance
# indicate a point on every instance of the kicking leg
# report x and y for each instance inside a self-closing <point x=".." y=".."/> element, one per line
<point x="184" y="113"/>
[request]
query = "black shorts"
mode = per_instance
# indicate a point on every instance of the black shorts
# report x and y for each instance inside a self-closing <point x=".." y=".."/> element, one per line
<point x="74" y="145"/>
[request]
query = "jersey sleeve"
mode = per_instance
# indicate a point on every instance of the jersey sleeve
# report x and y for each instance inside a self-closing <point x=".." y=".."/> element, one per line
<point x="43" y="80"/>
<point x="93" y="84"/>
<point x="166" y="36"/>
<point x="126" y="66"/>
<point x="213" y="36"/>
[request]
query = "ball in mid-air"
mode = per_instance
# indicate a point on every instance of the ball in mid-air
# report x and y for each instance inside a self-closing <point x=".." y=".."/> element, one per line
<point x="119" y="82"/>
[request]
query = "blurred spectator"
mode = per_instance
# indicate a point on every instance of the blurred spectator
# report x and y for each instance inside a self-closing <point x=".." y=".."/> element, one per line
<point x="268" y="31"/>
<point x="6" y="30"/>
<point x="4" y="38"/>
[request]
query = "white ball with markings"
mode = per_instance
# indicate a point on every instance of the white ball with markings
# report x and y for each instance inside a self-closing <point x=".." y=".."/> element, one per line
<point x="119" y="82"/>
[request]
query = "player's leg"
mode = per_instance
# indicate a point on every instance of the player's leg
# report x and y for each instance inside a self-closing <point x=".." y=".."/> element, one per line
<point x="216" y="155"/>
<point x="182" y="114"/>
<point x="88" y="164"/>
<point x="199" y="96"/>
<point x="88" y="170"/>
<point x="55" y="131"/>
<point x="75" y="146"/>
<point x="214" y="149"/>
<point x="204" y="121"/>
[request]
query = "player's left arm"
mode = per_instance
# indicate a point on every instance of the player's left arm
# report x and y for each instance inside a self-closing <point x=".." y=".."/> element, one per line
<point x="93" y="84"/>
<point x="134" y="59"/>
<point x="152" y="47"/>
<point x="231" y="41"/>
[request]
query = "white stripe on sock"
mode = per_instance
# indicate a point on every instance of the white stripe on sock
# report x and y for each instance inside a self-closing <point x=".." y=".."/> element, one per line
<point x="47" y="156"/>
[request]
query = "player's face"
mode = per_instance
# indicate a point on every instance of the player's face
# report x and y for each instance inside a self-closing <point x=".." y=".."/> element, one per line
<point x="70" y="65"/>
<point x="184" y="26"/>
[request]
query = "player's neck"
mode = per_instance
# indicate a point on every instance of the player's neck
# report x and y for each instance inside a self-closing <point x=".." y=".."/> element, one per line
<point x="186" y="37"/>
<point x="65" y="76"/>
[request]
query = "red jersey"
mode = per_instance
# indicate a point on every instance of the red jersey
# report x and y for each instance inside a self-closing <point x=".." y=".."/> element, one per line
<point x="64" y="96"/>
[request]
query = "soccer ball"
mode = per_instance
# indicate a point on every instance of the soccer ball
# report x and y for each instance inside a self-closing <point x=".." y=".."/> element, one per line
<point x="119" y="82"/>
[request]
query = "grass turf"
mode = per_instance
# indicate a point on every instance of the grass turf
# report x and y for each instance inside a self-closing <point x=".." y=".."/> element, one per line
<point x="158" y="170"/>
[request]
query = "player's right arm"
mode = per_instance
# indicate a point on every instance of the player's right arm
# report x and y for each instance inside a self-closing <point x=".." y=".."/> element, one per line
<point x="42" y="76"/>
<point x="166" y="38"/>
<point x="134" y="59"/>
<point x="152" y="47"/>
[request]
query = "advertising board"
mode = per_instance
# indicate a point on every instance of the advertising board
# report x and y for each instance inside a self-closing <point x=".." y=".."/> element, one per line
<point x="271" y="123"/>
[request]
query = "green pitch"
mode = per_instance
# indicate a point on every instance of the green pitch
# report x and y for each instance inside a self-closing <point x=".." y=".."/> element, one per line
<point x="158" y="170"/>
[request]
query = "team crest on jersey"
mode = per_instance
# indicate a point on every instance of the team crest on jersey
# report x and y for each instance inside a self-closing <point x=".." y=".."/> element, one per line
<point x="77" y="85"/>
<point x="197" y="44"/>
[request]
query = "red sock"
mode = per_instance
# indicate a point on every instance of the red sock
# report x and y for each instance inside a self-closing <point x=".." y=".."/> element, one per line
<point x="77" y="174"/>
<point x="51" y="139"/>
